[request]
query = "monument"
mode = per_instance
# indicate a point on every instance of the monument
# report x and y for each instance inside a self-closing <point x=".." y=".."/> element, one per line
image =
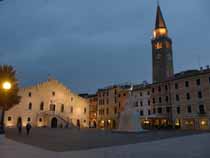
<point x="129" y="118"/>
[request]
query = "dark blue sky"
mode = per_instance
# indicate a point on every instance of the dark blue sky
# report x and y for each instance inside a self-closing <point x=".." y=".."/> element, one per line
<point x="91" y="44"/>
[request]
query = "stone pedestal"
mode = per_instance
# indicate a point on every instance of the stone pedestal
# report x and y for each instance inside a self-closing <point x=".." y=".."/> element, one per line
<point x="129" y="122"/>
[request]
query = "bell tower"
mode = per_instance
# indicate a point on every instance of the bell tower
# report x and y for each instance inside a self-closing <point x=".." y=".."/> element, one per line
<point x="162" y="56"/>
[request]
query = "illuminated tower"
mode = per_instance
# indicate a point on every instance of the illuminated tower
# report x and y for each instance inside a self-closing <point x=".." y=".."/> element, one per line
<point x="162" y="58"/>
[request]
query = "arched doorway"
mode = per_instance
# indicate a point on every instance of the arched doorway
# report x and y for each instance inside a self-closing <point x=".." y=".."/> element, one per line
<point x="54" y="122"/>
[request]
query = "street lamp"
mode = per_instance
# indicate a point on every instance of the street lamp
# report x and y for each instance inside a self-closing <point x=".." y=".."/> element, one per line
<point x="6" y="85"/>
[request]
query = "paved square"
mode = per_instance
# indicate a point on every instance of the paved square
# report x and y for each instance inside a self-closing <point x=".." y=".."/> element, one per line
<point x="73" y="139"/>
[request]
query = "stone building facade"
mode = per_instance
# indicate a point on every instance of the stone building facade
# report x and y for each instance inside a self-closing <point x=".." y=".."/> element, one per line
<point x="111" y="101"/>
<point x="48" y="104"/>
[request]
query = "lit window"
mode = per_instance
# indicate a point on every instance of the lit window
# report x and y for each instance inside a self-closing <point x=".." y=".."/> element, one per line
<point x="158" y="45"/>
<point x="168" y="45"/>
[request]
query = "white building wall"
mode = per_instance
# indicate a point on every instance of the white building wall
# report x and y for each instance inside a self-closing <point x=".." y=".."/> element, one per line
<point x="43" y="92"/>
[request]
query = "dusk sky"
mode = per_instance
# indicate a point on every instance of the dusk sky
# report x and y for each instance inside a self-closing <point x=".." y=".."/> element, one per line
<point x="89" y="44"/>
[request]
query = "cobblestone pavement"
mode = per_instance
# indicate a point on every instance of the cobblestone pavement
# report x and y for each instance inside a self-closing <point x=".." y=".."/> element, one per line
<point x="60" y="140"/>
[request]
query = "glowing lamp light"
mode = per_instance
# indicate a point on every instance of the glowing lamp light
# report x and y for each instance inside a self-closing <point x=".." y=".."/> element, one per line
<point x="6" y="85"/>
<point x="146" y="122"/>
<point x="177" y="124"/>
<point x="109" y="121"/>
<point x="203" y="122"/>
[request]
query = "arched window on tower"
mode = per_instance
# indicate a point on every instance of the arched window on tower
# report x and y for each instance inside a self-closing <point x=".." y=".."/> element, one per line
<point x="158" y="45"/>
<point x="168" y="45"/>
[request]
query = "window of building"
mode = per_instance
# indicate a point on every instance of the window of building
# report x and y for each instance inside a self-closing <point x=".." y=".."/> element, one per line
<point x="30" y="106"/>
<point x="115" y="100"/>
<point x="199" y="94"/>
<point x="148" y="102"/>
<point x="62" y="108"/>
<point x="154" y="111"/>
<point x="198" y="82"/>
<point x="42" y="106"/>
<point x="166" y="87"/>
<point x="159" y="110"/>
<point x="201" y="109"/>
<point x="141" y="113"/>
<point x="140" y="93"/>
<point x="166" y="99"/>
<point x="141" y="103"/>
<point x="178" y="110"/>
<point x="176" y="86"/>
<point x="159" y="89"/>
<point x="119" y="105"/>
<point x="149" y="112"/>
<point x="115" y="110"/>
<point x="168" y="45"/>
<point x="72" y="98"/>
<point x="9" y="118"/>
<point x="148" y="93"/>
<point x="53" y="93"/>
<point x="71" y="110"/>
<point x="52" y="107"/>
<point x="177" y="97"/>
<point x="188" y="96"/>
<point x="119" y="95"/>
<point x="107" y="93"/>
<point x="186" y="83"/>
<point x="153" y="90"/>
<point x="29" y="94"/>
<point x="168" y="109"/>
<point x="209" y="79"/>
<point x="115" y="91"/>
<point x="124" y="94"/>
<point x="189" y="109"/>
<point x="136" y="104"/>
<point x="40" y="119"/>
<point x="28" y="119"/>
<point x="160" y="100"/>
<point x="107" y="101"/>
<point x="158" y="45"/>
<point x="107" y="111"/>
<point x="153" y="100"/>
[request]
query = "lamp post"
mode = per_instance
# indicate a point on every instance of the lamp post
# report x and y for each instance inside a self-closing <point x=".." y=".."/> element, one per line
<point x="6" y="86"/>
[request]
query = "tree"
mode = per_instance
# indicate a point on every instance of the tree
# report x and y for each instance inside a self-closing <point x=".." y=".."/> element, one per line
<point x="8" y="97"/>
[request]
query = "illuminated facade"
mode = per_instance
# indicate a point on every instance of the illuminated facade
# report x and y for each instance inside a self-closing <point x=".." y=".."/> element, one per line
<point x="49" y="104"/>
<point x="162" y="56"/>
<point x="111" y="102"/>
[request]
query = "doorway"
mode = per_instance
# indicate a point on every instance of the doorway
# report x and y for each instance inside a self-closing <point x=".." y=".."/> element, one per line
<point x="54" y="122"/>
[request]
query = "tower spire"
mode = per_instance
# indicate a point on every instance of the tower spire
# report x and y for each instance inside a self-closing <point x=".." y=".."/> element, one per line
<point x="160" y="22"/>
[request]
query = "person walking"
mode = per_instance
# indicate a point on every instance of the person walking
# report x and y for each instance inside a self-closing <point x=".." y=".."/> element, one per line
<point x="28" y="128"/>
<point x="19" y="126"/>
